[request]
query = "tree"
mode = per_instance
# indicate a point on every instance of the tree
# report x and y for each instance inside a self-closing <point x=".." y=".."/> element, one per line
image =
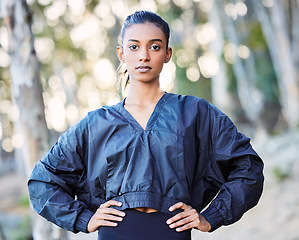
<point x="279" y="22"/>
<point x="27" y="95"/>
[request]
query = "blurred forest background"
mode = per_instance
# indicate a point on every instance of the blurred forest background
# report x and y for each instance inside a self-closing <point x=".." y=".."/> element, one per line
<point x="58" y="61"/>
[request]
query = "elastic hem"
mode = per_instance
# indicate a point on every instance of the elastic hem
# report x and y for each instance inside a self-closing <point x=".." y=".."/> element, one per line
<point x="214" y="217"/>
<point x="146" y="199"/>
<point x="82" y="221"/>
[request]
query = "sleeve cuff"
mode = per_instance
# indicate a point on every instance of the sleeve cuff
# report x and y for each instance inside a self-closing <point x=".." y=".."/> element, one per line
<point x="82" y="220"/>
<point x="214" y="217"/>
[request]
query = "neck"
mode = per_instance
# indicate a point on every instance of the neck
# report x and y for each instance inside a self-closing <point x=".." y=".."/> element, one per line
<point x="144" y="93"/>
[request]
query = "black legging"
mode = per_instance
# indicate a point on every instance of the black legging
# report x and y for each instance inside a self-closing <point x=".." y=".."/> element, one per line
<point x="138" y="225"/>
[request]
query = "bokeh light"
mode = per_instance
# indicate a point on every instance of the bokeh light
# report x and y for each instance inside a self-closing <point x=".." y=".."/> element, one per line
<point x="193" y="74"/>
<point x="268" y="3"/>
<point x="4" y="58"/>
<point x="243" y="52"/>
<point x="208" y="64"/>
<point x="230" y="52"/>
<point x="167" y="76"/>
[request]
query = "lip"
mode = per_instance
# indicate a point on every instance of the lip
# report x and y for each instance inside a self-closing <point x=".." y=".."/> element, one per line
<point x="143" y="68"/>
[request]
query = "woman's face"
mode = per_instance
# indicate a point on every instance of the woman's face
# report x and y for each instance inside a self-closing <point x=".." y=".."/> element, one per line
<point x="144" y="52"/>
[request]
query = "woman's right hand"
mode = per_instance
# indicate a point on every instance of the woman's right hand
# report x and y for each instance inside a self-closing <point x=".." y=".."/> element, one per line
<point x="105" y="216"/>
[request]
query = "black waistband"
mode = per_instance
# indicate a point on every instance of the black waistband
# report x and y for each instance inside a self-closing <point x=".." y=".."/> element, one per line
<point x="138" y="225"/>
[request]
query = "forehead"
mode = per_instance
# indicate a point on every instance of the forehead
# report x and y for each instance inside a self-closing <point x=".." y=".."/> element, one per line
<point x="143" y="32"/>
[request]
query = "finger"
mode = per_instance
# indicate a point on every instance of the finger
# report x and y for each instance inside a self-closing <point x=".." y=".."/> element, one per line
<point x="186" y="227"/>
<point x="190" y="212"/>
<point x="111" y="203"/>
<point x="179" y="205"/>
<point x="108" y="217"/>
<point x="101" y="223"/>
<point x="178" y="217"/>
<point x="111" y="211"/>
<point x="182" y="222"/>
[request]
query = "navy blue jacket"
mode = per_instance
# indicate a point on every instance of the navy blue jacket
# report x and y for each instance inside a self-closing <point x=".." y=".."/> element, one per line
<point x="190" y="152"/>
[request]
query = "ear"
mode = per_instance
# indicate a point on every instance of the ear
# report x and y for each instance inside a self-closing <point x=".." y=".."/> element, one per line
<point x="120" y="53"/>
<point x="168" y="55"/>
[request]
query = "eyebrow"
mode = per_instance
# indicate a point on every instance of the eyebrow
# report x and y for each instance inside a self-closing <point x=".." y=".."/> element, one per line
<point x="152" y="40"/>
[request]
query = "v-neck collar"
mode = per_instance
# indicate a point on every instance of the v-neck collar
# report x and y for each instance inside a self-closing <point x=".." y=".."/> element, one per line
<point x="151" y="121"/>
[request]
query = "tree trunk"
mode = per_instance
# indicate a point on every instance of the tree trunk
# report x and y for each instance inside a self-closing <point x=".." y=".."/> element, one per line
<point x="276" y="33"/>
<point x="246" y="90"/>
<point x="26" y="91"/>
<point x="220" y="95"/>
<point x="294" y="6"/>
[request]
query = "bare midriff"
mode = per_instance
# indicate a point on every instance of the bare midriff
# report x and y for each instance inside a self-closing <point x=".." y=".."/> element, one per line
<point x="146" y="209"/>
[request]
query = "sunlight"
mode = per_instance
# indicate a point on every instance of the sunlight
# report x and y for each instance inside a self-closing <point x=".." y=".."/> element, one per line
<point x="208" y="64"/>
<point x="44" y="48"/>
<point x="243" y="52"/>
<point x="72" y="114"/>
<point x="167" y="76"/>
<point x="102" y="10"/>
<point x="44" y="2"/>
<point x="104" y="73"/>
<point x="177" y="25"/>
<point x="149" y="5"/>
<point x="231" y="11"/>
<point x="164" y="5"/>
<point x="109" y="21"/>
<point x="4" y="38"/>
<point x="119" y="8"/>
<point x="182" y="3"/>
<point x="54" y="82"/>
<point x="88" y="28"/>
<point x="17" y="140"/>
<point x="230" y="53"/>
<point x="94" y="99"/>
<point x="206" y="5"/>
<point x="56" y="114"/>
<point x="4" y="58"/>
<point x="206" y="34"/>
<point x="54" y="11"/>
<point x="193" y="74"/>
<point x="268" y="3"/>
<point x="13" y="113"/>
<point x="241" y="8"/>
<point x="77" y="7"/>
<point x="1" y="131"/>
<point x="7" y="145"/>
<point x="69" y="78"/>
<point x="5" y="105"/>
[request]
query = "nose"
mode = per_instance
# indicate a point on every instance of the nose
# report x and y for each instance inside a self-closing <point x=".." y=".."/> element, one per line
<point x="144" y="56"/>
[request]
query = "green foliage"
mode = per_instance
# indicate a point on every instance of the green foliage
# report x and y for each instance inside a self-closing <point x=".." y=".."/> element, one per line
<point x="23" y="230"/>
<point x="256" y="41"/>
<point x="281" y="174"/>
<point x="24" y="201"/>
<point x="266" y="78"/>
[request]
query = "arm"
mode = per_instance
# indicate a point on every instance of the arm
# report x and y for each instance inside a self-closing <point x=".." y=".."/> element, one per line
<point x="58" y="177"/>
<point x="236" y="169"/>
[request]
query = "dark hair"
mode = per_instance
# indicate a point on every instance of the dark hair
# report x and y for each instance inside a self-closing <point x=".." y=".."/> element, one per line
<point x="144" y="17"/>
<point x="140" y="17"/>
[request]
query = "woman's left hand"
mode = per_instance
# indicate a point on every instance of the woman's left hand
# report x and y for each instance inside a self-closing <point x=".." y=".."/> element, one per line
<point x="187" y="219"/>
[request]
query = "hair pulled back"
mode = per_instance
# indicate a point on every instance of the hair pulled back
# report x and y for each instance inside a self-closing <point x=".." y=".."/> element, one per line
<point x="145" y="17"/>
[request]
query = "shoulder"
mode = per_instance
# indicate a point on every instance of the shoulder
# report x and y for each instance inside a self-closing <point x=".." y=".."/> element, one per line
<point x="101" y="114"/>
<point x="95" y="119"/>
<point x="196" y="104"/>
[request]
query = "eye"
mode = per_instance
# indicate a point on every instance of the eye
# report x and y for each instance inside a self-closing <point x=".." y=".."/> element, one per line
<point x="155" y="47"/>
<point x="133" y="47"/>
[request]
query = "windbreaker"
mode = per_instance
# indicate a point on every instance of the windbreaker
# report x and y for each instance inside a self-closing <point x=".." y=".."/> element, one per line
<point x="189" y="152"/>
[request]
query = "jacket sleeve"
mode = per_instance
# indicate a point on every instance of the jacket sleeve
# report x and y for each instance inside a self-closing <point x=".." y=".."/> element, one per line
<point x="59" y="177"/>
<point x="235" y="169"/>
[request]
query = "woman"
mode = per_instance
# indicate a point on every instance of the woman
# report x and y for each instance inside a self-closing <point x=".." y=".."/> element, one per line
<point x="147" y="167"/>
